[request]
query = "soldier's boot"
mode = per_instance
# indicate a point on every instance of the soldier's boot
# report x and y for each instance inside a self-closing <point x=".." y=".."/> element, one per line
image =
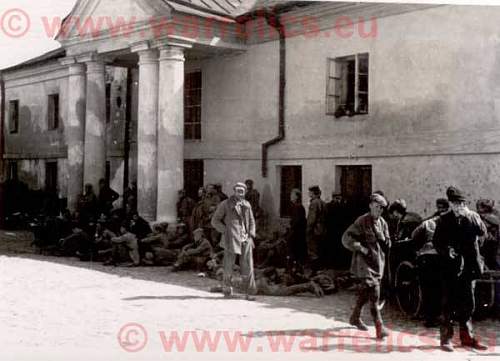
<point x="467" y="338"/>
<point x="380" y="331"/>
<point x="355" y="319"/>
<point x="446" y="334"/>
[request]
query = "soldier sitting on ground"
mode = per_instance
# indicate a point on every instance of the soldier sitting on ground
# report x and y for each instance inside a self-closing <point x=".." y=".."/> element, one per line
<point x="102" y="239"/>
<point x="125" y="243"/>
<point x="180" y="238"/>
<point x="156" y="245"/>
<point x="195" y="254"/>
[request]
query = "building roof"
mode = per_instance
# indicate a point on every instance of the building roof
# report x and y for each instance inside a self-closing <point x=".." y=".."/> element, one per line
<point x="233" y="8"/>
<point x="50" y="55"/>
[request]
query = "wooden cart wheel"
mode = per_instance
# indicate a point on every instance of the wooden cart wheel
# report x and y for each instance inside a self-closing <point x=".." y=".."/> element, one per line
<point x="407" y="287"/>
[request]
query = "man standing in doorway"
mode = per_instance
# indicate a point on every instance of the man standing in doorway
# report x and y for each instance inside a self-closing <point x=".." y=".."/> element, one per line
<point x="316" y="228"/>
<point x="456" y="240"/>
<point x="235" y="221"/>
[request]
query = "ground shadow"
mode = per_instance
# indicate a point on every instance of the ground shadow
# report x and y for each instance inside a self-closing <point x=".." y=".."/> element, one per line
<point x="335" y="308"/>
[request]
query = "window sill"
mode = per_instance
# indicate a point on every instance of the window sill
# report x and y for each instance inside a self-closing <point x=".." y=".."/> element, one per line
<point x="343" y="117"/>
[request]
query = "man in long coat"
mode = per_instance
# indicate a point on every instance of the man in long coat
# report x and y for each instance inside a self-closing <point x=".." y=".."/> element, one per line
<point x="235" y="221"/>
<point x="456" y="240"/>
<point x="316" y="229"/>
<point x="368" y="238"/>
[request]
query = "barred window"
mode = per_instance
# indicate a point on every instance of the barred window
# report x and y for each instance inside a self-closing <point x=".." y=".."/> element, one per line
<point x="192" y="105"/>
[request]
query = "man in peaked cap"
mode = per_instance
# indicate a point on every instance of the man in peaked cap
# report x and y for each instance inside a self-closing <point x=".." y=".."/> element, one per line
<point x="368" y="238"/>
<point x="456" y="241"/>
<point x="234" y="219"/>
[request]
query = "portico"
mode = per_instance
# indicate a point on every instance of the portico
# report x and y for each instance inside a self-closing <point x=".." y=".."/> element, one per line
<point x="160" y="131"/>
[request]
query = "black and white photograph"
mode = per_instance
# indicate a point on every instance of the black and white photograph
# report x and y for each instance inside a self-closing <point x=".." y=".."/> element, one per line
<point x="249" y="180"/>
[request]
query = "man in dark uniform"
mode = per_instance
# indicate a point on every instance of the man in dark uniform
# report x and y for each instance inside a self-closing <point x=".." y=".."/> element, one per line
<point x="316" y="229"/>
<point x="456" y="240"/>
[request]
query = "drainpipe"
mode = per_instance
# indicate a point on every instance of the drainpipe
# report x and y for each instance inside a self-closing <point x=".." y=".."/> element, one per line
<point x="274" y="21"/>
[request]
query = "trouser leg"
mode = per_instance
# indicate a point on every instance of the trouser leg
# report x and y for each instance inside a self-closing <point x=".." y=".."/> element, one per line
<point x="465" y="309"/>
<point x="448" y="307"/>
<point x="133" y="247"/>
<point x="374" y="298"/>
<point x="228" y="263"/>
<point x="362" y="299"/>
<point x="246" y="266"/>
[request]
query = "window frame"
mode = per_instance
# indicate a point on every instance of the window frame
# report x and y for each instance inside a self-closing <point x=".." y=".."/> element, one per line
<point x="335" y="87"/>
<point x="14" y="123"/>
<point x="195" y="127"/>
<point x="53" y="111"/>
<point x="52" y="164"/>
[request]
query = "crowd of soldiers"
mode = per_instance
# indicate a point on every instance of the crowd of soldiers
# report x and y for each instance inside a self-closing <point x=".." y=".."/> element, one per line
<point x="304" y="256"/>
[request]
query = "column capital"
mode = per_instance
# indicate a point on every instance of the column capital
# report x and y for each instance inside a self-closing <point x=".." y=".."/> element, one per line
<point x="149" y="56"/>
<point x="89" y="57"/>
<point x="172" y="53"/>
<point x="140" y="46"/>
<point x="75" y="68"/>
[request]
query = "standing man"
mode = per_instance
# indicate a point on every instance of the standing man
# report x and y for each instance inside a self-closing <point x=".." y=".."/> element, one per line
<point x="456" y="240"/>
<point x="316" y="228"/>
<point x="337" y="221"/>
<point x="368" y="238"/>
<point x="429" y="265"/>
<point x="235" y="221"/>
<point x="297" y="233"/>
<point x="252" y="196"/>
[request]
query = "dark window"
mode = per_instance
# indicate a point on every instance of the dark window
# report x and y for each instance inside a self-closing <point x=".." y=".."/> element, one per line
<point x="291" y="178"/>
<point x="12" y="171"/>
<point x="14" y="116"/>
<point x="192" y="105"/>
<point x="347" y="85"/>
<point x="193" y="177"/>
<point x="356" y="187"/>
<point x="108" y="102"/>
<point x="53" y="111"/>
<point x="51" y="176"/>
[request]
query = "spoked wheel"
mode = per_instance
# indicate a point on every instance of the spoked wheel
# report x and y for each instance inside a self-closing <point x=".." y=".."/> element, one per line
<point x="484" y="295"/>
<point x="408" y="291"/>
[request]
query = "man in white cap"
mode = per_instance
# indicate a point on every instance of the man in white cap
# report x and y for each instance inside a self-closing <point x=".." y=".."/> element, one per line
<point x="234" y="219"/>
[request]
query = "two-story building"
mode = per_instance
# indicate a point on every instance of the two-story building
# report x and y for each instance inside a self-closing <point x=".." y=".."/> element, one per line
<point x="352" y="97"/>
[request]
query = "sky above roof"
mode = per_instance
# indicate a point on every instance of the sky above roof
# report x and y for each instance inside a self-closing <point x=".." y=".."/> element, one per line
<point x="18" y="44"/>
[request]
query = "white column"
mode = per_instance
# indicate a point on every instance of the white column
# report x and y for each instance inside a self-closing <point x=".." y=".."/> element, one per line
<point x="75" y="130"/>
<point x="147" y="148"/>
<point x="170" y="132"/>
<point x="95" y="124"/>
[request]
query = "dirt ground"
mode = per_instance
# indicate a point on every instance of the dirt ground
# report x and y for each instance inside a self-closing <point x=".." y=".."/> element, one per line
<point x="63" y="309"/>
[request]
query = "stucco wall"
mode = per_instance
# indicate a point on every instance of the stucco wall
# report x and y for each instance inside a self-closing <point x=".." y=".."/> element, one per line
<point x="434" y="90"/>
